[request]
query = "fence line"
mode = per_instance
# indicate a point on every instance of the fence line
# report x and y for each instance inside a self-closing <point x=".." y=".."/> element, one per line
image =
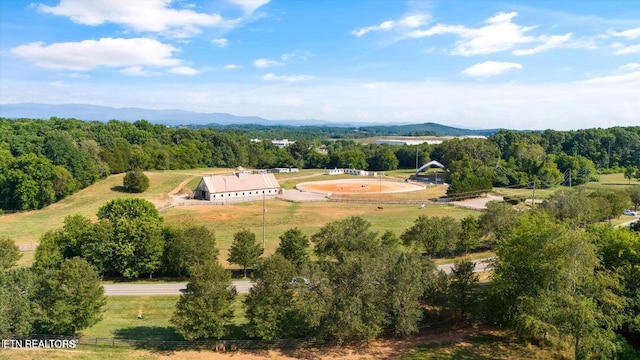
<point x="218" y="345"/>
<point x="227" y="344"/>
<point x="391" y="202"/>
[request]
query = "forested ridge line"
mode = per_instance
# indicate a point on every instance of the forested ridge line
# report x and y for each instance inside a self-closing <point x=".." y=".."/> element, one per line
<point x="43" y="161"/>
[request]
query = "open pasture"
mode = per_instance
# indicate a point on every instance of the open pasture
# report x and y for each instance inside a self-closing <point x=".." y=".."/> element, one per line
<point x="26" y="228"/>
<point x="226" y="220"/>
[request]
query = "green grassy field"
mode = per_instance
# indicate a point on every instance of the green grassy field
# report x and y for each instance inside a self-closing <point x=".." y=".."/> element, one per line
<point x="27" y="227"/>
<point x="611" y="182"/>
<point x="226" y="220"/>
<point x="120" y="318"/>
<point x="526" y="193"/>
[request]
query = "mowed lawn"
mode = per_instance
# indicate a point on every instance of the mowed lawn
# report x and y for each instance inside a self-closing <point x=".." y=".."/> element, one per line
<point x="27" y="227"/>
<point x="611" y="182"/>
<point x="226" y="220"/>
<point x="120" y="318"/>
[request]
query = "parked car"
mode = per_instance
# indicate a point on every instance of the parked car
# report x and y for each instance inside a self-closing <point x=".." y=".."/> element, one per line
<point x="630" y="212"/>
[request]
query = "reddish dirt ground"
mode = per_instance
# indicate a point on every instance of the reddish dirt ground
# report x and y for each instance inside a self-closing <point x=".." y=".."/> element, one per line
<point x="358" y="186"/>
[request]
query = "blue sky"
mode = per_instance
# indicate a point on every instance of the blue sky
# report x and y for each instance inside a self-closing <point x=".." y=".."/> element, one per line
<point x="476" y="64"/>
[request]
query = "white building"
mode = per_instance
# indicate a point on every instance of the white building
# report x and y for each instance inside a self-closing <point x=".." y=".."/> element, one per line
<point x="400" y="142"/>
<point x="356" y="172"/>
<point x="241" y="185"/>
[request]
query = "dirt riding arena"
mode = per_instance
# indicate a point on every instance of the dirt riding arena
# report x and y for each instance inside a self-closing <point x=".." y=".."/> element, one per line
<point x="358" y="186"/>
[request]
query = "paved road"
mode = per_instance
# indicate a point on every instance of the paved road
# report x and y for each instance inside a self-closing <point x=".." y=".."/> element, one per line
<point x="481" y="266"/>
<point x="242" y="286"/>
<point x="627" y="223"/>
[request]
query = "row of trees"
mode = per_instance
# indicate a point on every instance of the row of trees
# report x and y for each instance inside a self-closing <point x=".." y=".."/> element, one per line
<point x="128" y="240"/>
<point x="42" y="161"/>
<point x="360" y="285"/>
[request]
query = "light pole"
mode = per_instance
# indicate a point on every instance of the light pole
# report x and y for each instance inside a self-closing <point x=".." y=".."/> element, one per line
<point x="417" y="159"/>
<point x="264" y="212"/>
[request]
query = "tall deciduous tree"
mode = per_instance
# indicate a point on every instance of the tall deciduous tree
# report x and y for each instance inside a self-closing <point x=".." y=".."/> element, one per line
<point x="18" y="311"/>
<point x="9" y="253"/>
<point x="186" y="246"/>
<point x="49" y="253"/>
<point x="70" y="298"/>
<point x="634" y="196"/>
<point x="546" y="282"/>
<point x="137" y="234"/>
<point x="463" y="288"/>
<point x="135" y="182"/>
<point x="338" y="238"/>
<point x="270" y="304"/>
<point x="407" y="280"/>
<point x="434" y="235"/>
<point x="205" y="309"/>
<point x="245" y="250"/>
<point x="293" y="246"/>
<point x="629" y="172"/>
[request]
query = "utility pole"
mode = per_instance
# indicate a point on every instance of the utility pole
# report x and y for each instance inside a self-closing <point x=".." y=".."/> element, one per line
<point x="417" y="145"/>
<point x="569" y="178"/>
<point x="533" y="194"/>
<point x="264" y="212"/>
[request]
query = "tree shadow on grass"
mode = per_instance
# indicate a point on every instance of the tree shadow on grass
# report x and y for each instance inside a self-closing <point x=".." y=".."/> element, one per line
<point x="119" y="188"/>
<point x="160" y="339"/>
<point x="148" y="333"/>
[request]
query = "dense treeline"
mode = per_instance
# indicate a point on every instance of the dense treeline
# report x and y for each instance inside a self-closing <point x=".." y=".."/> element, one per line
<point x="42" y="161"/>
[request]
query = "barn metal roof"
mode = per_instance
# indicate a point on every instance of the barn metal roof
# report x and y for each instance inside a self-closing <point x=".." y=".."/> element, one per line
<point x="240" y="182"/>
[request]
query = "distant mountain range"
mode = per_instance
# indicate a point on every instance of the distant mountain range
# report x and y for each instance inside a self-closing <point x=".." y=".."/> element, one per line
<point x="182" y="117"/>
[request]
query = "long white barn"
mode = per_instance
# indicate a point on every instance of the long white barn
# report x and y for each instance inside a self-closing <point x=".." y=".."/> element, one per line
<point x="235" y="187"/>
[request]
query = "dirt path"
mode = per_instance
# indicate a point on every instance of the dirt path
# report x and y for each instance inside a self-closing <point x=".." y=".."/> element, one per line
<point x="180" y="186"/>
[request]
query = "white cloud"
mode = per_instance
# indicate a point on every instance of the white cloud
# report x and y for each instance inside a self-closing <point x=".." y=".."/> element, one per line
<point x="249" y="6"/>
<point x="298" y="54"/>
<point x="183" y="70"/>
<point x="490" y="68"/>
<point x="630" y="34"/>
<point x="140" y="15"/>
<point x="221" y="42"/>
<point x="286" y="78"/>
<point x="231" y="67"/>
<point x="409" y="21"/>
<point x="550" y="42"/>
<point x="106" y="52"/>
<point x="629" y="77"/>
<point x="266" y="63"/>
<point x="135" y="71"/>
<point x="621" y="49"/>
<point x="629" y="67"/>
<point x="498" y="34"/>
<point x="60" y="84"/>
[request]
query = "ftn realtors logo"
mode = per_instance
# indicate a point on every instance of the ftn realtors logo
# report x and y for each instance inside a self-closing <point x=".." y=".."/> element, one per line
<point x="38" y="344"/>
